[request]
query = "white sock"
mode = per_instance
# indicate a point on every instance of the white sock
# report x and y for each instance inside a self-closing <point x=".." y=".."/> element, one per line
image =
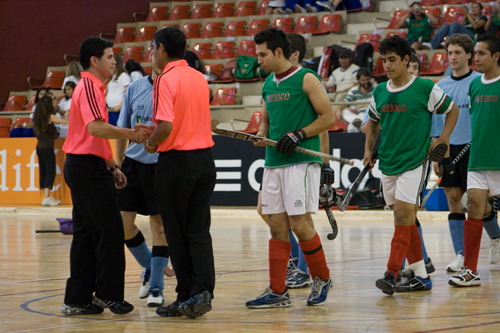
<point x="419" y="269"/>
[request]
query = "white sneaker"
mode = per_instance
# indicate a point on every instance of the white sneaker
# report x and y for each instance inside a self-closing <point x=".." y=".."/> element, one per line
<point x="50" y="202"/>
<point x="495" y="250"/>
<point x="300" y="9"/>
<point x="465" y="278"/>
<point x="456" y="265"/>
<point x="311" y="9"/>
<point x="144" y="291"/>
<point x="427" y="45"/>
<point x="327" y="5"/>
<point x="365" y="4"/>
<point x="155" y="299"/>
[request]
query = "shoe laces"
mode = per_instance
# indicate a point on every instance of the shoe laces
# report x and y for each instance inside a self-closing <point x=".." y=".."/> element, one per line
<point x="495" y="244"/>
<point x="317" y="285"/>
<point x="296" y="273"/>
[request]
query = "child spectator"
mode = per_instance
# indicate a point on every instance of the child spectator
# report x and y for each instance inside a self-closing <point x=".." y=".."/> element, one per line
<point x="64" y="106"/>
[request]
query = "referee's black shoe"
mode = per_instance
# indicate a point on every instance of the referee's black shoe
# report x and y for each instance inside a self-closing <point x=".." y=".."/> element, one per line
<point x="387" y="284"/>
<point x="171" y="310"/>
<point x="197" y="305"/>
<point x="118" y="307"/>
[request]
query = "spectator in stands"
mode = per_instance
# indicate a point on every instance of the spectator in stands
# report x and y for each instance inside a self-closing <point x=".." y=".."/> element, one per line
<point x="344" y="77"/>
<point x="349" y="5"/>
<point x="331" y="5"/>
<point x="43" y="121"/>
<point x="414" y="66"/>
<point x="419" y="24"/>
<point x="134" y="69"/>
<point x="274" y="6"/>
<point x="116" y="90"/>
<point x="493" y="23"/>
<point x="354" y="114"/>
<point x="64" y="106"/>
<point x="472" y="25"/>
<point x="299" y="6"/>
<point x="74" y="70"/>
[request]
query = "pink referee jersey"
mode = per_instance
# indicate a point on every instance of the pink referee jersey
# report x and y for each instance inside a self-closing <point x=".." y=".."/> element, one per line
<point x="181" y="96"/>
<point x="88" y="104"/>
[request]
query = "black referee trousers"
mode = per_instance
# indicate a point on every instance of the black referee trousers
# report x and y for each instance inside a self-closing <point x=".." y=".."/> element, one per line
<point x="97" y="257"/>
<point x="184" y="182"/>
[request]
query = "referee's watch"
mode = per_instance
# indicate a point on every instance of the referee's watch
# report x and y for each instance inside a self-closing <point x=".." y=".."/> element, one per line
<point x="113" y="168"/>
<point x="147" y="145"/>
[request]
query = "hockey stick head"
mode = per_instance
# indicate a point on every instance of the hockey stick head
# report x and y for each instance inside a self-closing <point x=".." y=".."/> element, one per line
<point x="437" y="154"/>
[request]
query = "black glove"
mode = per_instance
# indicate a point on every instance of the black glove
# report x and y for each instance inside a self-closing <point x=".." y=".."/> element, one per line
<point x="287" y="143"/>
<point x="437" y="154"/>
<point x="327" y="174"/>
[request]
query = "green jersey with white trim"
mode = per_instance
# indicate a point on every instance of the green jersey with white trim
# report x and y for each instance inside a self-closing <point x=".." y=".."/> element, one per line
<point x="485" y="118"/>
<point x="405" y="116"/>
<point x="289" y="109"/>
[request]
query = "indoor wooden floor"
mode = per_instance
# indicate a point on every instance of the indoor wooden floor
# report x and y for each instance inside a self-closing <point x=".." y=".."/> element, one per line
<point x="34" y="268"/>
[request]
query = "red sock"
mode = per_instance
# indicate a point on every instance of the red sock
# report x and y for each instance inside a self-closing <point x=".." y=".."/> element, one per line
<point x="473" y="231"/>
<point x="279" y="253"/>
<point x="414" y="252"/>
<point x="399" y="247"/>
<point x="315" y="258"/>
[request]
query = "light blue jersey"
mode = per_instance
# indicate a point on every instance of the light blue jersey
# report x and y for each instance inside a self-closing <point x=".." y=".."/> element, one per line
<point x="137" y="108"/>
<point x="457" y="89"/>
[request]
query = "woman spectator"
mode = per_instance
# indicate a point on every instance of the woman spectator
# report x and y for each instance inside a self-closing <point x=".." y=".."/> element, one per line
<point x="64" y="106"/>
<point x="493" y="23"/>
<point x="74" y="70"/>
<point x="134" y="69"/>
<point x="43" y="122"/>
<point x="419" y="24"/>
<point x="116" y="90"/>
<point x="273" y="6"/>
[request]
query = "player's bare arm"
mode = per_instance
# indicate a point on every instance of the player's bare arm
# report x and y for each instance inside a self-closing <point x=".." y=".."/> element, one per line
<point x="264" y="127"/>
<point x="449" y="126"/>
<point x="371" y="136"/>
<point x="160" y="134"/>
<point x="104" y="130"/>
<point x="321" y="104"/>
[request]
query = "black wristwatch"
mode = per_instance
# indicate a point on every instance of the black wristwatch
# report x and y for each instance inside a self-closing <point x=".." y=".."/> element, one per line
<point x="114" y="167"/>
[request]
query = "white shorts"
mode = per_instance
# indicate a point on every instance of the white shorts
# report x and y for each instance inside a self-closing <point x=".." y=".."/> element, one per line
<point x="484" y="180"/>
<point x="292" y="189"/>
<point x="408" y="186"/>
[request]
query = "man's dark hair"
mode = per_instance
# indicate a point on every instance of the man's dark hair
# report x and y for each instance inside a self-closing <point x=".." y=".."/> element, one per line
<point x="93" y="47"/>
<point x="274" y="39"/>
<point x="297" y="43"/>
<point x="363" y="71"/>
<point x="493" y="42"/>
<point x="395" y="44"/>
<point x="173" y="40"/>
<point x="462" y="40"/>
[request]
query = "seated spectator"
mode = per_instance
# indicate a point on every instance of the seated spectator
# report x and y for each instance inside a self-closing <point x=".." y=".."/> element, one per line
<point x="64" y="106"/>
<point x="344" y="77"/>
<point x="299" y="6"/>
<point x="419" y="24"/>
<point x="117" y="87"/>
<point x="331" y="5"/>
<point x="274" y="6"/>
<point x="74" y="70"/>
<point x="493" y="23"/>
<point x="27" y="130"/>
<point x="473" y="24"/>
<point x="134" y="69"/>
<point x="414" y="66"/>
<point x="350" y="5"/>
<point x="353" y="115"/>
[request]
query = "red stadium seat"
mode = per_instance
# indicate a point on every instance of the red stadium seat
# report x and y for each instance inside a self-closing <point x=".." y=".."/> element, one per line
<point x="400" y="34"/>
<point x="213" y="70"/>
<point x="305" y="24"/>
<point x="253" y="124"/>
<point x="53" y="80"/>
<point x="145" y="33"/>
<point x="235" y="28"/>
<point x="117" y="50"/>
<point x="15" y="103"/>
<point x="133" y="52"/>
<point x="340" y="126"/>
<point x="423" y="61"/>
<point x="125" y="35"/>
<point x="451" y="15"/>
<point x="170" y="25"/>
<point x="147" y="56"/>
<point x="247" y="48"/>
<point x="262" y="7"/>
<point x="224" y="96"/>
<point x="212" y="29"/>
<point x="203" y="50"/>
<point x="223" y="50"/>
<point x="4" y="127"/>
<point x="223" y="9"/>
<point x="157" y="14"/>
<point x="227" y="75"/>
<point x="202" y="11"/>
<point x="395" y="18"/>
<point x="256" y="26"/>
<point x="192" y="30"/>
<point x="179" y="12"/>
<point x="245" y="8"/>
<point x="31" y="103"/>
<point x="329" y="23"/>
<point x="378" y="69"/>
<point x="284" y="23"/>
<point x="436" y="12"/>
<point x="438" y="64"/>
<point x="20" y="122"/>
<point x="369" y="38"/>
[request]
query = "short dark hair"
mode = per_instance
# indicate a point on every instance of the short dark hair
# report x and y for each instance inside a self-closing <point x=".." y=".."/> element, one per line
<point x="493" y="42"/>
<point x="274" y="39"/>
<point x="363" y="71"/>
<point x="415" y="58"/>
<point x="173" y="40"/>
<point x="297" y="43"/>
<point x="93" y="47"/>
<point x="396" y="44"/>
<point x="71" y="84"/>
<point x="462" y="40"/>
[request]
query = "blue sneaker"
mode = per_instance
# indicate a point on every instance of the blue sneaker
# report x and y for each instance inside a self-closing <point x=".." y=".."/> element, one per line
<point x="415" y="283"/>
<point x="319" y="291"/>
<point x="270" y="299"/>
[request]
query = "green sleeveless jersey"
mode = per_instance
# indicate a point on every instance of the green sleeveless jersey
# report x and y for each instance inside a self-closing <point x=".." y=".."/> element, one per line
<point x="289" y="109"/>
<point x="405" y="116"/>
<point x="419" y="28"/>
<point x="485" y="119"/>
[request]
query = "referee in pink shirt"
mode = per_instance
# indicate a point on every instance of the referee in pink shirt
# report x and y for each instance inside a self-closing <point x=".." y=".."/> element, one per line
<point x="97" y="258"/>
<point x="185" y="172"/>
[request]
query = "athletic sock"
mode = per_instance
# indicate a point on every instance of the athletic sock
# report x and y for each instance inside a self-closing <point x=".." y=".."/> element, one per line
<point x="159" y="260"/>
<point x="473" y="230"/>
<point x="490" y="224"/>
<point x="424" y="251"/>
<point x="315" y="258"/>
<point x="414" y="252"/>
<point x="419" y="269"/>
<point x="295" y="246"/>
<point x="279" y="253"/>
<point x="456" y="224"/>
<point x="302" y="264"/>
<point x="139" y="249"/>
<point x="399" y="247"/>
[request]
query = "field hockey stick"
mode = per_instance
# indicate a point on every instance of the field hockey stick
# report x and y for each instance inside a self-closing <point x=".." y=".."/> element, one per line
<point x="326" y="195"/>
<point x="269" y="142"/>
<point x="354" y="187"/>
<point x="451" y="166"/>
